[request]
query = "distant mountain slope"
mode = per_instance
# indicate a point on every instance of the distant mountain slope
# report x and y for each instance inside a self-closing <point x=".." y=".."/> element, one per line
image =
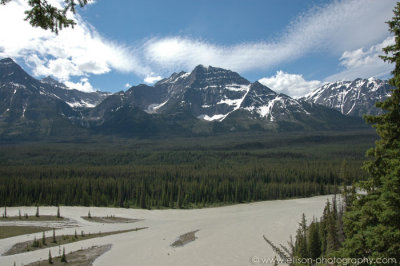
<point x="72" y="97"/>
<point x="28" y="109"/>
<point x="204" y="101"/>
<point x="353" y="98"/>
<point x="220" y="96"/>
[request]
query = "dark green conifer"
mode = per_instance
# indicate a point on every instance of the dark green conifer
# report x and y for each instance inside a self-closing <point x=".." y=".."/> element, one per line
<point x="314" y="241"/>
<point x="50" y="258"/>
<point x="54" y="236"/>
<point x="63" y="257"/>
<point x="301" y="250"/>
<point x="372" y="224"/>
<point x="43" y="239"/>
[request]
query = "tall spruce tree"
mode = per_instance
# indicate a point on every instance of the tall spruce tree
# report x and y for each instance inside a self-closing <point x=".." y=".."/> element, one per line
<point x="314" y="241"/>
<point x="301" y="247"/>
<point x="372" y="223"/>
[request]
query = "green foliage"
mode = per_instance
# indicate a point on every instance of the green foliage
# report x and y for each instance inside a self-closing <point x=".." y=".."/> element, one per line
<point x="50" y="258"/>
<point x="54" y="236"/>
<point x="46" y="16"/>
<point x="63" y="257"/>
<point x="182" y="173"/>
<point x="314" y="240"/>
<point x="35" y="243"/>
<point x="372" y="224"/>
<point x="43" y="239"/>
<point x="321" y="238"/>
<point x="301" y="244"/>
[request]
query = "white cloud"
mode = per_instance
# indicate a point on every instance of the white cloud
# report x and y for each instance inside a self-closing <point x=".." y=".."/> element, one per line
<point x="80" y="51"/>
<point x="336" y="27"/>
<point x="333" y="28"/>
<point x="150" y="79"/>
<point x="82" y="85"/>
<point x="364" y="63"/>
<point x="128" y="85"/>
<point x="291" y="84"/>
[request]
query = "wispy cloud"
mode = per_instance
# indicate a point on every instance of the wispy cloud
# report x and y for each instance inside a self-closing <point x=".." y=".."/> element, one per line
<point x="291" y="84"/>
<point x="343" y="25"/>
<point x="364" y="63"/>
<point x="332" y="28"/>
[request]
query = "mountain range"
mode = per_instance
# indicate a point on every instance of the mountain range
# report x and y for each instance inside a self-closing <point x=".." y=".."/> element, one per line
<point x="206" y="101"/>
<point x="353" y="98"/>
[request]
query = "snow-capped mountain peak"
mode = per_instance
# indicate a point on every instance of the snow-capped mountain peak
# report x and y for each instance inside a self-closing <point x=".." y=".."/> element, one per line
<point x="354" y="98"/>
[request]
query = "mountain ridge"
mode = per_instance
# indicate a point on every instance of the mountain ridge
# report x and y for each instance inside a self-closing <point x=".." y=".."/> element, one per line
<point x="352" y="98"/>
<point x="206" y="100"/>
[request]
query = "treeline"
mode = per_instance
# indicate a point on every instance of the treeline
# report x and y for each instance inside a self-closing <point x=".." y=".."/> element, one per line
<point x="321" y="238"/>
<point x="159" y="187"/>
<point x="319" y="241"/>
<point x="181" y="173"/>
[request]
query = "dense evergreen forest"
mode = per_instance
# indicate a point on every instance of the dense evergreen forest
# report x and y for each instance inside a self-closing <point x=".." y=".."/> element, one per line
<point x="180" y="173"/>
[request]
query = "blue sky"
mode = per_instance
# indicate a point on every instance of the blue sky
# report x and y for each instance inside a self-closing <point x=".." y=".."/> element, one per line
<point x="293" y="46"/>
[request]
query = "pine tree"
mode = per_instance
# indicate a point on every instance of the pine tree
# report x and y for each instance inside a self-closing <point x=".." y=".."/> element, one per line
<point x="314" y="241"/>
<point x="58" y="212"/>
<point x="332" y="228"/>
<point x="143" y="203"/>
<point x="63" y="257"/>
<point x="54" y="236"/>
<point x="179" y="197"/>
<point x="50" y="258"/>
<point x="43" y="239"/>
<point x="35" y="243"/>
<point x="301" y="250"/>
<point x="372" y="224"/>
<point x="37" y="211"/>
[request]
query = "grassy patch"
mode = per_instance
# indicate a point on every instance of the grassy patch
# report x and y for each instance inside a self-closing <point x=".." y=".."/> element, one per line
<point x="10" y="231"/>
<point x="109" y="219"/>
<point x="48" y="242"/>
<point x="185" y="238"/>
<point x="33" y="218"/>
<point x="80" y="257"/>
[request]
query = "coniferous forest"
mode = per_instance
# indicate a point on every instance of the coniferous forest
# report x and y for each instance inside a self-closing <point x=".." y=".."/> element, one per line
<point x="180" y="173"/>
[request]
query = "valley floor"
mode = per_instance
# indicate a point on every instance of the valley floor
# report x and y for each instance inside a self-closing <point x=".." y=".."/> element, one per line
<point x="230" y="235"/>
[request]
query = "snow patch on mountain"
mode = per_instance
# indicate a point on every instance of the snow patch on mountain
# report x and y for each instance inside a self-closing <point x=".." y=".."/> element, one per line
<point x="355" y="98"/>
<point x="81" y="103"/>
<point x="237" y="87"/>
<point x="153" y="108"/>
<point x="266" y="110"/>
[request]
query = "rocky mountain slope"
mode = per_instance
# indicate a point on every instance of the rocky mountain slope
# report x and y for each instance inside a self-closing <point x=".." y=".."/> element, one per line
<point x="353" y="98"/>
<point x="204" y="101"/>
